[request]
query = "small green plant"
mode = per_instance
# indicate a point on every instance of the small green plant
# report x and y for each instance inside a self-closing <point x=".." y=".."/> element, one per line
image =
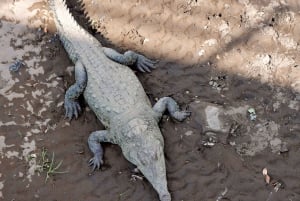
<point x="19" y="133"/>
<point x="49" y="166"/>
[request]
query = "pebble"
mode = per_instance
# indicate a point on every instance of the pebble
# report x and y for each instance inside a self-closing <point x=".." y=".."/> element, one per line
<point x="188" y="133"/>
<point x="284" y="148"/>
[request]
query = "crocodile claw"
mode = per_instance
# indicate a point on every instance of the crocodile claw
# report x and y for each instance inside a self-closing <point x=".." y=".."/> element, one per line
<point x="144" y="64"/>
<point x="95" y="162"/>
<point x="181" y="115"/>
<point x="165" y="197"/>
<point x="72" y="109"/>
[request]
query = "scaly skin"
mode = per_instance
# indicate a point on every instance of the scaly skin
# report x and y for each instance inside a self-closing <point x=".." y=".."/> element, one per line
<point x="117" y="98"/>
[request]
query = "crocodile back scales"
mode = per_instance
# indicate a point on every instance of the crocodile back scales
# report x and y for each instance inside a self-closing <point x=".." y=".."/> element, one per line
<point x="112" y="88"/>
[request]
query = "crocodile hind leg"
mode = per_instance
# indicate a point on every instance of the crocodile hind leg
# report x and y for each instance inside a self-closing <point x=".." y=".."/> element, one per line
<point x="71" y="104"/>
<point x="94" y="144"/>
<point x="130" y="58"/>
<point x="168" y="103"/>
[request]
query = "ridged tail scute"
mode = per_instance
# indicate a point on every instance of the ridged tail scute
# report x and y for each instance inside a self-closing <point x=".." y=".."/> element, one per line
<point x="74" y="38"/>
<point x="63" y="19"/>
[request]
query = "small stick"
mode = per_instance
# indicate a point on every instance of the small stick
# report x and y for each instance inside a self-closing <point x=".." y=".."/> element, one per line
<point x="220" y="197"/>
<point x="135" y="177"/>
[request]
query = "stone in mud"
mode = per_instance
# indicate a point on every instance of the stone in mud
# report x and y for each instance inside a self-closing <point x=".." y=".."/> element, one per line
<point x="252" y="138"/>
<point x="212" y="117"/>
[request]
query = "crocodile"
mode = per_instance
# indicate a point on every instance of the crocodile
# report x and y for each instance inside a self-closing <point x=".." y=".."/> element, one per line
<point x="115" y="95"/>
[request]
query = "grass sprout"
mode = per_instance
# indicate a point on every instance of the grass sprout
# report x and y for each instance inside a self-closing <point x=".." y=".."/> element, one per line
<point x="51" y="167"/>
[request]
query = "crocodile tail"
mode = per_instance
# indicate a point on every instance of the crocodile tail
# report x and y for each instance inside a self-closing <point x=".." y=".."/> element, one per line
<point x="64" y="21"/>
<point x="73" y="36"/>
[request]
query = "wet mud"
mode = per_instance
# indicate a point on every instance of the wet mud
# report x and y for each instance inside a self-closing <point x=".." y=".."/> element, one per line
<point x="217" y="58"/>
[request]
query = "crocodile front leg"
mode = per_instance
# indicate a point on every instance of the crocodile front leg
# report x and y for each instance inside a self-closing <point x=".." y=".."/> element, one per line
<point x="94" y="144"/>
<point x="72" y="106"/>
<point x="130" y="58"/>
<point x="168" y="103"/>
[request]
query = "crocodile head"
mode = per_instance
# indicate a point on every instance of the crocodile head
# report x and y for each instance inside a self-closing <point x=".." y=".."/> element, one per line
<point x="144" y="147"/>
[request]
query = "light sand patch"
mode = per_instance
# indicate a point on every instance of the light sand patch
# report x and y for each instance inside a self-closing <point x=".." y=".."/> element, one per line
<point x="224" y="29"/>
<point x="12" y="154"/>
<point x="210" y="42"/>
<point x="20" y="32"/>
<point x="294" y="104"/>
<point x="20" y="11"/>
<point x="3" y="145"/>
<point x="236" y="34"/>
<point x="48" y="103"/>
<point x="43" y="124"/>
<point x="28" y="148"/>
<point x="1" y="187"/>
<point x="52" y="76"/>
<point x="29" y="107"/>
<point x="70" y="70"/>
<point x="6" y="81"/>
<point x="41" y="111"/>
<point x="10" y="123"/>
<point x="60" y="104"/>
<point x="54" y="83"/>
<point x="35" y="131"/>
<point x="28" y="134"/>
<point x="37" y="93"/>
<point x="201" y="52"/>
<point x="10" y="95"/>
<point x="270" y="68"/>
<point x="288" y="42"/>
<point x="12" y="31"/>
<point x="33" y="167"/>
<point x="34" y="72"/>
<point x="21" y="174"/>
<point x="255" y="17"/>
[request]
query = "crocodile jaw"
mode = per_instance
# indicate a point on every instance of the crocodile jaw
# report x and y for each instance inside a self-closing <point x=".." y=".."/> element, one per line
<point x="144" y="147"/>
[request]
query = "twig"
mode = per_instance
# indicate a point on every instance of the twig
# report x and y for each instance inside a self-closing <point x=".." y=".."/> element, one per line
<point x="135" y="177"/>
<point x="220" y="197"/>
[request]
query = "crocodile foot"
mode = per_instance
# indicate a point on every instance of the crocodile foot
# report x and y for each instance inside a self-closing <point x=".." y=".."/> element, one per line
<point x="72" y="109"/>
<point x="181" y="115"/>
<point x="144" y="64"/>
<point x="96" y="162"/>
<point x="169" y="104"/>
<point x="166" y="197"/>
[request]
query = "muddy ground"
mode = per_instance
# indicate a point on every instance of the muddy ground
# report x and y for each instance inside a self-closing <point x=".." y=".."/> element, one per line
<point x="217" y="58"/>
